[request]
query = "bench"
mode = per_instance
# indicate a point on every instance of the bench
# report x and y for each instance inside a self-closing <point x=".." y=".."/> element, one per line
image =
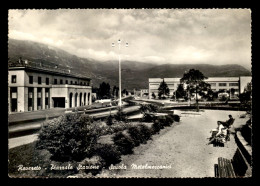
<point x="236" y="167"/>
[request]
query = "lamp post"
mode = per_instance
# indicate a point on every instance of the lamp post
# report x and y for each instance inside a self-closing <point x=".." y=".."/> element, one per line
<point x="119" y="65"/>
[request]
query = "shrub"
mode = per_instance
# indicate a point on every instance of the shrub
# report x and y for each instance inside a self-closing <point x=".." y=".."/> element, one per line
<point x="145" y="131"/>
<point x="148" y="108"/>
<point x="108" y="153"/>
<point x="147" y="117"/>
<point x="168" y="121"/>
<point x="124" y="143"/>
<point x="176" y="117"/>
<point x="157" y="126"/>
<point x="68" y="137"/>
<point x="136" y="135"/>
<point x="109" y="120"/>
<point x="121" y="116"/>
<point x="119" y="126"/>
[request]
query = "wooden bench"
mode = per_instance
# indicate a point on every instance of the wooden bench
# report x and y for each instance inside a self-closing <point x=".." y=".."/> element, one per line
<point x="236" y="167"/>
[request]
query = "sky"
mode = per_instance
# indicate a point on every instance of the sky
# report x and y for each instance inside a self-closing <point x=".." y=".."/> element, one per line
<point x="175" y="36"/>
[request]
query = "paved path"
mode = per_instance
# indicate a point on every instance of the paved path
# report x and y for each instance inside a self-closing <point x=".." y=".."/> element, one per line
<point x="183" y="147"/>
<point x="14" y="142"/>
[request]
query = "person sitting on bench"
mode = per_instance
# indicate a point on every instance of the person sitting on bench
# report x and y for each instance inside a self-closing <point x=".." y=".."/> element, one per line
<point x="227" y="123"/>
<point x="219" y="134"/>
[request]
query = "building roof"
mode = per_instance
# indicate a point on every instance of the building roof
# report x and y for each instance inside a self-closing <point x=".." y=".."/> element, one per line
<point x="222" y="79"/>
<point x="39" y="67"/>
<point x="156" y="80"/>
<point x="210" y="79"/>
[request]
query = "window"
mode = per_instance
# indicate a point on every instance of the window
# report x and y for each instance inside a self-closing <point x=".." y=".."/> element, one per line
<point x="222" y="84"/>
<point x="61" y="81"/>
<point x="66" y="82"/>
<point x="233" y="84"/>
<point x="71" y="82"/>
<point x="55" y="81"/>
<point x="47" y="81"/>
<point x="31" y="79"/>
<point x="81" y="83"/>
<point x="14" y="79"/>
<point x="39" y="80"/>
<point x="213" y="84"/>
<point x="76" y="82"/>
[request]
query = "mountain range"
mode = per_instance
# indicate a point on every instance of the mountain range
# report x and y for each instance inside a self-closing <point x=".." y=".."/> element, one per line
<point x="134" y="74"/>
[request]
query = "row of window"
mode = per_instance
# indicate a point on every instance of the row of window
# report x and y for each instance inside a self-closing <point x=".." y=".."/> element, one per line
<point x="212" y="84"/>
<point x="47" y="81"/>
<point x="223" y="84"/>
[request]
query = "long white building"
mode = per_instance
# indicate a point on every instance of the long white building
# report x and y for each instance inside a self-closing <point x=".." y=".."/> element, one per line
<point x="34" y="86"/>
<point x="217" y="83"/>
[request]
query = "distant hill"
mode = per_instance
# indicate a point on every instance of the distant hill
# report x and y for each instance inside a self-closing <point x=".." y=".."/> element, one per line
<point x="134" y="74"/>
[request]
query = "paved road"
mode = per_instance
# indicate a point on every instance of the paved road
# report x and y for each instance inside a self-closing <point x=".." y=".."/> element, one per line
<point x="183" y="147"/>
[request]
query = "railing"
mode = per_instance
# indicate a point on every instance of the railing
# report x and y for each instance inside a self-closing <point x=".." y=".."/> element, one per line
<point x="41" y="66"/>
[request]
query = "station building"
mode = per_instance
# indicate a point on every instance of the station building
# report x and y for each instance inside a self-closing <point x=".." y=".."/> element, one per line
<point x="36" y="86"/>
<point x="237" y="84"/>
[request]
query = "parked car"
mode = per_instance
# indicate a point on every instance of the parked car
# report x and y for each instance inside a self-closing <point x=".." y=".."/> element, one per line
<point x="220" y="95"/>
<point x="180" y="100"/>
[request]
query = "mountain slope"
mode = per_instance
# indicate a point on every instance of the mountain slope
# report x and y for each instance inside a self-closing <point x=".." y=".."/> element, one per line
<point x="134" y="74"/>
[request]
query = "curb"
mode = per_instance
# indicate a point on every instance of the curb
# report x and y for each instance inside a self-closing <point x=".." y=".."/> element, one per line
<point x="245" y="148"/>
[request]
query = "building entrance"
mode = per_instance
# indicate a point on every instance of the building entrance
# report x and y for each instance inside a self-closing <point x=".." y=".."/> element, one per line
<point x="59" y="102"/>
<point x="14" y="105"/>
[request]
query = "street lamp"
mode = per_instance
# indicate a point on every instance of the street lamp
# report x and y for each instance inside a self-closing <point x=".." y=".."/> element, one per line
<point x="119" y="64"/>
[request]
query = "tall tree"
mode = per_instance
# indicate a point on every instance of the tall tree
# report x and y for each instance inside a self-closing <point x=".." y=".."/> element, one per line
<point x="195" y="81"/>
<point x="163" y="89"/>
<point x="104" y="90"/>
<point x="115" y="91"/>
<point x="246" y="97"/>
<point x="180" y="92"/>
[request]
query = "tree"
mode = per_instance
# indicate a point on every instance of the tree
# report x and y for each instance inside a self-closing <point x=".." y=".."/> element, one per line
<point x="195" y="81"/>
<point x="180" y="92"/>
<point x="163" y="89"/>
<point x="115" y="91"/>
<point x="246" y="97"/>
<point x="104" y="90"/>
<point x="96" y="90"/>
<point x="125" y="92"/>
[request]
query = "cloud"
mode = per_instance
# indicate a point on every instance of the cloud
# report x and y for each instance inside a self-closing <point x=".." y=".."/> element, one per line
<point x="222" y="36"/>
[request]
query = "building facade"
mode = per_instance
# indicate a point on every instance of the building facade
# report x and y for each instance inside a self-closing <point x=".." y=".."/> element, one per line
<point x="34" y="86"/>
<point x="236" y="84"/>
